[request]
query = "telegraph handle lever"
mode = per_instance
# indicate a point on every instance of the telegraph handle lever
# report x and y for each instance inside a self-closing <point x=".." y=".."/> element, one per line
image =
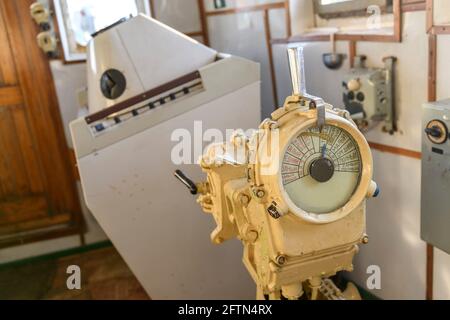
<point x="297" y="70"/>
<point x="186" y="181"/>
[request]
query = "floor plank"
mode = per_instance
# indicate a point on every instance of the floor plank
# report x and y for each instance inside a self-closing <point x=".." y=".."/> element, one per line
<point x="104" y="276"/>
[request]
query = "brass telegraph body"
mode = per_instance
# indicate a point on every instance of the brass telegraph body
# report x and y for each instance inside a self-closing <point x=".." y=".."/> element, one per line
<point x="294" y="193"/>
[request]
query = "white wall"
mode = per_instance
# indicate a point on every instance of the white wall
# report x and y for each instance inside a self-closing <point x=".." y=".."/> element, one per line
<point x="182" y="15"/>
<point x="302" y="15"/>
<point x="393" y="225"/>
<point x="441" y="12"/>
<point x="239" y="34"/>
<point x="69" y="79"/>
<point x="243" y="35"/>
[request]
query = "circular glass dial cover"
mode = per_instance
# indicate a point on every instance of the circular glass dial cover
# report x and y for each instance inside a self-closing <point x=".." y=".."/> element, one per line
<point x="321" y="170"/>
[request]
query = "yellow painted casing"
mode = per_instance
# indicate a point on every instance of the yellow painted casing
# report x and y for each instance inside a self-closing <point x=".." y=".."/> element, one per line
<point x="287" y="250"/>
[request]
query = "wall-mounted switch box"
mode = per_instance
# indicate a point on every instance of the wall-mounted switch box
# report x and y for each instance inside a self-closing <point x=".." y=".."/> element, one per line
<point x="435" y="205"/>
<point x="369" y="94"/>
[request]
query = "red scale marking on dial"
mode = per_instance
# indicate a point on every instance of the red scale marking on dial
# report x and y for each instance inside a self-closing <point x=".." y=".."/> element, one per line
<point x="290" y="177"/>
<point x="334" y="135"/>
<point x="350" y="167"/>
<point x="298" y="142"/>
<point x="289" y="168"/>
<point x="289" y="159"/>
<point x="340" y="148"/>
<point x="349" y="157"/>
<point x="345" y="148"/>
<point x="294" y="151"/>
<point x="308" y="142"/>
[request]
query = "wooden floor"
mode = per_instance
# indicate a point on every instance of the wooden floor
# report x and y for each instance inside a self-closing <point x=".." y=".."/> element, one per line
<point x="104" y="274"/>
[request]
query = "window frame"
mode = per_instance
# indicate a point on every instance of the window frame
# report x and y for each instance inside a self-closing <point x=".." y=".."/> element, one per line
<point x="79" y="55"/>
<point x="350" y="9"/>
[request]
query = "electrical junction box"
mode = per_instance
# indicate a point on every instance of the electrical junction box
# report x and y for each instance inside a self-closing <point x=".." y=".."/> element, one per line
<point x="435" y="207"/>
<point x="369" y="94"/>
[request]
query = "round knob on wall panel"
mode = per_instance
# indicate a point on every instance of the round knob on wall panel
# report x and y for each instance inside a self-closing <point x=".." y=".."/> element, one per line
<point x="113" y="84"/>
<point x="351" y="95"/>
<point x="360" y="96"/>
<point x="354" y="85"/>
<point x="437" y="132"/>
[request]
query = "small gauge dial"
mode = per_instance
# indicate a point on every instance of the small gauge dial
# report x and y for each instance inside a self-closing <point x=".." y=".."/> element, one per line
<point x="321" y="170"/>
<point x="437" y="132"/>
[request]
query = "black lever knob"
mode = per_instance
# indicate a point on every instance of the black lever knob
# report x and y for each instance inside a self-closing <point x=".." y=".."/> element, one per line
<point x="434" y="132"/>
<point x="186" y="181"/>
<point x="113" y="84"/>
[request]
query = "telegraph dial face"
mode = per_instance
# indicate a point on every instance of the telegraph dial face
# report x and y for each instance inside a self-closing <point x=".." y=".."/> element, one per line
<point x="321" y="170"/>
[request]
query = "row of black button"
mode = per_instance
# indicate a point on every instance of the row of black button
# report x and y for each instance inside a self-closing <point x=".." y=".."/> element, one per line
<point x="359" y="96"/>
<point x="152" y="105"/>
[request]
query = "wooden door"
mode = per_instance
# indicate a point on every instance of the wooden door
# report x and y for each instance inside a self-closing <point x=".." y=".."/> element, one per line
<point x="38" y="197"/>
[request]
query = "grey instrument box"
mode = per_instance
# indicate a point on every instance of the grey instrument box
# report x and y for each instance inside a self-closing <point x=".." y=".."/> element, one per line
<point x="435" y="207"/>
